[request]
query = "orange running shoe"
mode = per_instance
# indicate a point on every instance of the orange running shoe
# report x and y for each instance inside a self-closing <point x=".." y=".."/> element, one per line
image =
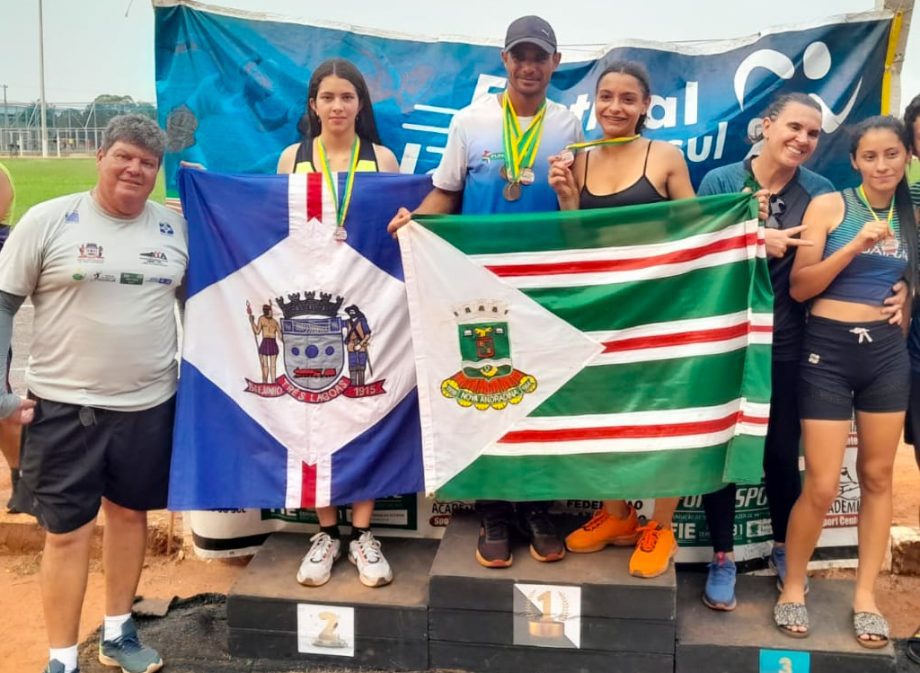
<point x="654" y="551"/>
<point x="602" y="530"/>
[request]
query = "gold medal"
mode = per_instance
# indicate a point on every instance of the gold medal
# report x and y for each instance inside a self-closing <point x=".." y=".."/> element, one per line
<point x="512" y="191"/>
<point x="527" y="176"/>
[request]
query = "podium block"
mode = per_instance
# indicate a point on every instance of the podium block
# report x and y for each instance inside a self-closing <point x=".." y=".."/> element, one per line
<point x="342" y="623"/>
<point x="584" y="613"/>
<point x="747" y="639"/>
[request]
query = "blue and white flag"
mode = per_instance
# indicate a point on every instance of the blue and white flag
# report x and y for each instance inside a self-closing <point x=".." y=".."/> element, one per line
<point x="223" y="74"/>
<point x="297" y="384"/>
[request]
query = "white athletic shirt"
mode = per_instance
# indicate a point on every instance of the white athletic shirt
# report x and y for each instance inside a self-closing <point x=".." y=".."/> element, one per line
<point x="104" y="330"/>
<point x="474" y="156"/>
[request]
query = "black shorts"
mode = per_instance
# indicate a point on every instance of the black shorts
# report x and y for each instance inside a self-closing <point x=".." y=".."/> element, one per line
<point x="73" y="456"/>
<point x="846" y="366"/>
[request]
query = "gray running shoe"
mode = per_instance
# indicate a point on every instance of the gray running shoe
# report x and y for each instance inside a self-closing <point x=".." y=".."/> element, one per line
<point x="127" y="653"/>
<point x="55" y="666"/>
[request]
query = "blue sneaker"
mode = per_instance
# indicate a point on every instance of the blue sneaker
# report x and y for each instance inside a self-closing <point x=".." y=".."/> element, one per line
<point x="777" y="563"/>
<point x="127" y="652"/>
<point x="719" y="593"/>
<point x="55" y="666"/>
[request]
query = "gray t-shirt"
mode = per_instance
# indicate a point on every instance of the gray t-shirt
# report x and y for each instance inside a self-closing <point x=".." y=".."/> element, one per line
<point x="104" y="330"/>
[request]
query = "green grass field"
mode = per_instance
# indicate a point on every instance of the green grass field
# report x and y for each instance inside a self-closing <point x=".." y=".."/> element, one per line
<point x="38" y="180"/>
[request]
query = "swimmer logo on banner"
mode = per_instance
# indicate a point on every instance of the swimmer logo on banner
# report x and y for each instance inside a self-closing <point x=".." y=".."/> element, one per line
<point x="608" y="353"/>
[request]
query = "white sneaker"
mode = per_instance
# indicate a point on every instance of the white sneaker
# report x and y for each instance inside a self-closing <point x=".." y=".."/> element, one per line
<point x="316" y="567"/>
<point x="373" y="569"/>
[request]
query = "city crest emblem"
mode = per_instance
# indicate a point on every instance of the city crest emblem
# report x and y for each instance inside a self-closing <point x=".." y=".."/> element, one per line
<point x="487" y="377"/>
<point x="316" y="345"/>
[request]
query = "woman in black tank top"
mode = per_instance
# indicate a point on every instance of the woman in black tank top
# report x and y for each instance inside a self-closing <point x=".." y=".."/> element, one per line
<point x="340" y="119"/>
<point x="633" y="172"/>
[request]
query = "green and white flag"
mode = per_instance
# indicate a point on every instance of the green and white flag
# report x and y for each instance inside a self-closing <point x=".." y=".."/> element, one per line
<point x="591" y="354"/>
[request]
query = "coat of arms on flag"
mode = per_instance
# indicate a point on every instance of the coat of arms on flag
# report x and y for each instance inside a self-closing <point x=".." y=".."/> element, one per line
<point x="297" y="384"/>
<point x="316" y="341"/>
<point x="631" y="344"/>
<point x="487" y="377"/>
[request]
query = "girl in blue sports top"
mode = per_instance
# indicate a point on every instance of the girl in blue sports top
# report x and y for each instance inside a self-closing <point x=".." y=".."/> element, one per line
<point x="865" y="239"/>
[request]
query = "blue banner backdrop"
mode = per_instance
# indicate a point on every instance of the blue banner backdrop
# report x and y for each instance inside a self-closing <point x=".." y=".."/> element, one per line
<point x="232" y="87"/>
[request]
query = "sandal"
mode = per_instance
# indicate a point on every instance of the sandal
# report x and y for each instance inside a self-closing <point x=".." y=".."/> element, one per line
<point x="870" y="624"/>
<point x="787" y="615"/>
<point x="912" y="649"/>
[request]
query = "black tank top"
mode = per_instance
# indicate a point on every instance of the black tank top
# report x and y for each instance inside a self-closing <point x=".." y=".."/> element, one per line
<point x="303" y="162"/>
<point x="641" y="191"/>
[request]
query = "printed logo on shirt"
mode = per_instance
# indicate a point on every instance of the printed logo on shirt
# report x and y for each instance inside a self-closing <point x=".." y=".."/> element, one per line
<point x="104" y="277"/>
<point x="90" y="252"/>
<point x="488" y="156"/>
<point x="159" y="280"/>
<point x="78" y="275"/>
<point x="166" y="229"/>
<point x="888" y="247"/>
<point x="132" y="279"/>
<point x="72" y="216"/>
<point x="157" y="257"/>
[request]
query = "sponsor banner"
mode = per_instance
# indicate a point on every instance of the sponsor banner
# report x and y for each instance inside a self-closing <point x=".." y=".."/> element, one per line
<point x="223" y="74"/>
<point x="227" y="533"/>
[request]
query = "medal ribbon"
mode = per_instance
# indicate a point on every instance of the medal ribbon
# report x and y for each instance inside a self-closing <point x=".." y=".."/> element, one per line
<point x="862" y="195"/>
<point x="343" y="199"/>
<point x="622" y="140"/>
<point x="520" y="149"/>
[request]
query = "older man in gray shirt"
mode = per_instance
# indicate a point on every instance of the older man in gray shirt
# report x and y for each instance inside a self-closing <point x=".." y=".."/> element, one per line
<point x="102" y="269"/>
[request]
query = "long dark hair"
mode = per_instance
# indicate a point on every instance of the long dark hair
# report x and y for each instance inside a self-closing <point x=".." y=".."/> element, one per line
<point x="902" y="200"/>
<point x="911" y="112"/>
<point x="778" y="104"/>
<point x="365" y="125"/>
<point x="633" y="69"/>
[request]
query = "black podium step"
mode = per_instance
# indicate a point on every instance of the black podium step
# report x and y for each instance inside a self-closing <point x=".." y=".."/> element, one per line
<point x="507" y="659"/>
<point x="747" y="639"/>
<point x="342" y="623"/>
<point x="584" y="613"/>
<point x="608" y="590"/>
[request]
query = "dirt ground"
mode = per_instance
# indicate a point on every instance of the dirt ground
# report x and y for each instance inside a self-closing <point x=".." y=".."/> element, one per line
<point x="23" y="646"/>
